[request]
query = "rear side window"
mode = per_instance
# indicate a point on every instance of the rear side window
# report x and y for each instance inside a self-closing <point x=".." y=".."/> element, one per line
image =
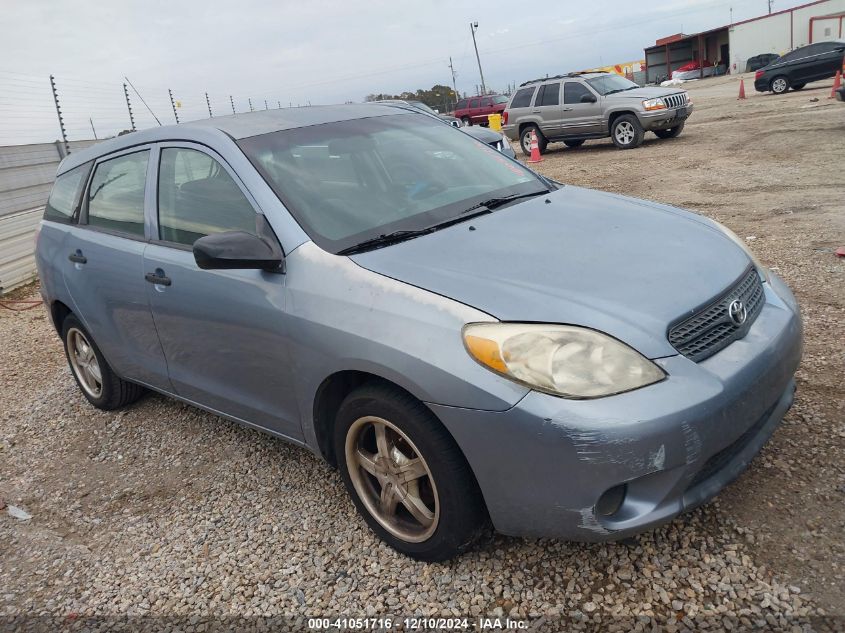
<point x="551" y="95"/>
<point x="573" y="91"/>
<point x="462" y="104"/>
<point x="64" y="198"/>
<point x="198" y="197"/>
<point x="116" y="194"/>
<point x="522" y="99"/>
<point x="473" y="103"/>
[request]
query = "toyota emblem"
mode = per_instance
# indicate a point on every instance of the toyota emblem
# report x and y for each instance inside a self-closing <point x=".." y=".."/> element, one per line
<point x="737" y="312"/>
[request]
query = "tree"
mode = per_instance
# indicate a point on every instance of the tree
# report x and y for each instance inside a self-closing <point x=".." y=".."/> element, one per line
<point x="439" y="97"/>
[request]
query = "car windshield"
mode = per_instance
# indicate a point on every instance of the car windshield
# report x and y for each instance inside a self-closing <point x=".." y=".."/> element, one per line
<point x="500" y="99"/>
<point x="608" y="84"/>
<point x="419" y="105"/>
<point x="351" y="181"/>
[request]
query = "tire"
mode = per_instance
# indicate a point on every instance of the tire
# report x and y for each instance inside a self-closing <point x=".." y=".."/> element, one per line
<point x="466" y="121"/>
<point x="672" y="132"/>
<point x="450" y="514"/>
<point x="779" y="85"/>
<point x="525" y="140"/>
<point x="626" y="132"/>
<point x="798" y="86"/>
<point x="574" y="144"/>
<point x="86" y="363"/>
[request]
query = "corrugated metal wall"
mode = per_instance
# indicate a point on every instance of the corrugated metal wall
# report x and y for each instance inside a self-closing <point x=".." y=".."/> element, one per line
<point x="26" y="175"/>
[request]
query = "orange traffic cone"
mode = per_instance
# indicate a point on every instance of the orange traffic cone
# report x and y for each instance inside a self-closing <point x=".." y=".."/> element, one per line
<point x="741" y="89"/>
<point x="837" y="83"/>
<point x="535" y="149"/>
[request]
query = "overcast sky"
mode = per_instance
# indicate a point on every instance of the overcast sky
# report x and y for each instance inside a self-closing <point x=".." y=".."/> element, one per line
<point x="317" y="51"/>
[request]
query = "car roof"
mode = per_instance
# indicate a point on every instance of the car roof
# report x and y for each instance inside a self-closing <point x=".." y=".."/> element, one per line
<point x="565" y="76"/>
<point x="237" y="126"/>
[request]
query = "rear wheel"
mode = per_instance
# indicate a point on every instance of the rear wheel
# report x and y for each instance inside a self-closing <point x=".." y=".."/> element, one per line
<point x="405" y="474"/>
<point x="671" y="132"/>
<point x="626" y="132"/>
<point x="779" y="85"/>
<point x="98" y="382"/>
<point x="798" y="86"/>
<point x="525" y="140"/>
<point x="577" y="143"/>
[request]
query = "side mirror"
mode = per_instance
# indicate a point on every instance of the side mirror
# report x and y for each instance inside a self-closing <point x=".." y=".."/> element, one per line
<point x="240" y="250"/>
<point x="588" y="99"/>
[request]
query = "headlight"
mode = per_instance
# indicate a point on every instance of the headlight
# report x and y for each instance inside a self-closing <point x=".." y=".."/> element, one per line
<point x="654" y="104"/>
<point x="762" y="270"/>
<point x="563" y="360"/>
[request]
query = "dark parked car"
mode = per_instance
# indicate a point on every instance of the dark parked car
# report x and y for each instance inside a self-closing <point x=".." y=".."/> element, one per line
<point x="801" y="66"/>
<point x="476" y="109"/>
<point x="759" y="61"/>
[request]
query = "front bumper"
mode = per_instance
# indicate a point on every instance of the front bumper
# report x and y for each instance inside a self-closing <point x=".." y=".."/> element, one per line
<point x="544" y="464"/>
<point x="665" y="119"/>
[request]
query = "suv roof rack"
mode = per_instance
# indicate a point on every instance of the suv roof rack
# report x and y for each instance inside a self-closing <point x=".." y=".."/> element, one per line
<point x="564" y="76"/>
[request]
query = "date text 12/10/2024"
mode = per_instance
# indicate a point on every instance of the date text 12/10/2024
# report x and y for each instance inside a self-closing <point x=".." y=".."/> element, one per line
<point x="417" y="624"/>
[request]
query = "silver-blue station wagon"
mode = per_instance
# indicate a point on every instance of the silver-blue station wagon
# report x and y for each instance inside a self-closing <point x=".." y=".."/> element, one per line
<point x="470" y="343"/>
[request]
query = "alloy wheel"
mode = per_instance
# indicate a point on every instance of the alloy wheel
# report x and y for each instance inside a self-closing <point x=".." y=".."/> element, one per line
<point x="779" y="85"/>
<point x="625" y="133"/>
<point x="392" y="479"/>
<point x="84" y="363"/>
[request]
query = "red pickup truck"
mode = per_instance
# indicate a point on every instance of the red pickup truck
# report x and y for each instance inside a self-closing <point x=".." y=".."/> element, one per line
<point x="476" y="109"/>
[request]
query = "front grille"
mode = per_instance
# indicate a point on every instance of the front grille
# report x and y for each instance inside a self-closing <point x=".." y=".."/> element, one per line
<point x="675" y="101"/>
<point x="712" y="329"/>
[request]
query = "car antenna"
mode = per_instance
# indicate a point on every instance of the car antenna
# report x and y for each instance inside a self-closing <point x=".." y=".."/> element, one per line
<point x="142" y="100"/>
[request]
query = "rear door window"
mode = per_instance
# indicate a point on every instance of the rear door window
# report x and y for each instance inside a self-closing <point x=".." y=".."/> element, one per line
<point x="64" y="197"/>
<point x="116" y="195"/>
<point x="473" y="103"/>
<point x="551" y="95"/>
<point x="522" y="99"/>
<point x="198" y="197"/>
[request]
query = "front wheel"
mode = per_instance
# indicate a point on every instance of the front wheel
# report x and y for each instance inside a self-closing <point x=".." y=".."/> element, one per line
<point x="671" y="132"/>
<point x="627" y="132"/>
<point x="405" y="474"/>
<point x="95" y="377"/>
<point x="779" y="85"/>
<point x="525" y="140"/>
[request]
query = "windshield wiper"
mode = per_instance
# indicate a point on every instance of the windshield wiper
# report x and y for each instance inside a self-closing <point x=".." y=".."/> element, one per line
<point x="492" y="203"/>
<point x="386" y="239"/>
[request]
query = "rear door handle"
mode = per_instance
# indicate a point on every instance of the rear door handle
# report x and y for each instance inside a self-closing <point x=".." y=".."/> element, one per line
<point x="568" y="109"/>
<point x="78" y="258"/>
<point x="157" y="279"/>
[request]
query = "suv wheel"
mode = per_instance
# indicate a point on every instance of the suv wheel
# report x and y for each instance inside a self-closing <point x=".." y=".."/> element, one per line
<point x="405" y="474"/>
<point x="98" y="382"/>
<point x="525" y="140"/>
<point x="779" y="85"/>
<point x="466" y="121"/>
<point x="671" y="132"/>
<point x="577" y="143"/>
<point x="626" y="132"/>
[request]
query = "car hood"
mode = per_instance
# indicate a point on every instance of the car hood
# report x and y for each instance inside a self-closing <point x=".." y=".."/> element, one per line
<point x="483" y="134"/>
<point x="644" y="93"/>
<point x="623" y="266"/>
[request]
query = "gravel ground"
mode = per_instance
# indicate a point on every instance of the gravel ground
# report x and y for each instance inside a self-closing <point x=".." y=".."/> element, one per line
<point x="164" y="511"/>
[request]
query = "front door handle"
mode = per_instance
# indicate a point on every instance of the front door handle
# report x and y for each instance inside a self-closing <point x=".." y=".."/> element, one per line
<point x="78" y="258"/>
<point x="157" y="278"/>
<point x="568" y="109"/>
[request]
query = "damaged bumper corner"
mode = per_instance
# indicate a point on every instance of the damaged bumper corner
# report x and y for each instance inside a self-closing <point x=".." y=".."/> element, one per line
<point x="544" y="464"/>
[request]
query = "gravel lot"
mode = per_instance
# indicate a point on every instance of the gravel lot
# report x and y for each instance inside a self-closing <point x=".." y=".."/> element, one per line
<point x="164" y="510"/>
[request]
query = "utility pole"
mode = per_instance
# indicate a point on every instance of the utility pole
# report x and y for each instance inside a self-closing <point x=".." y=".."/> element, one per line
<point x="472" y="27"/>
<point x="454" y="84"/>
<point x="249" y="100"/>
<point x="770" y="6"/>
<point x="91" y="121"/>
<point x="208" y="103"/>
<point x="232" y="101"/>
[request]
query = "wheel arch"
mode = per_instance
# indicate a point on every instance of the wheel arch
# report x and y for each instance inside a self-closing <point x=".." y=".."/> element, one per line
<point x="58" y="313"/>
<point x="616" y="114"/>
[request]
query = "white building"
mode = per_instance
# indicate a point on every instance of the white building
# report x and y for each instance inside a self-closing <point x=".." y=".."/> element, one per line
<point x="731" y="46"/>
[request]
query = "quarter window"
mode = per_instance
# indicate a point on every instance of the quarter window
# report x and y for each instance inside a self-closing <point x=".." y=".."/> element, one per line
<point x="573" y="91"/>
<point x="197" y="197"/>
<point x="522" y="99"/>
<point x="64" y="198"/>
<point x="116" y="194"/>
<point x="551" y="95"/>
<point x="473" y="103"/>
